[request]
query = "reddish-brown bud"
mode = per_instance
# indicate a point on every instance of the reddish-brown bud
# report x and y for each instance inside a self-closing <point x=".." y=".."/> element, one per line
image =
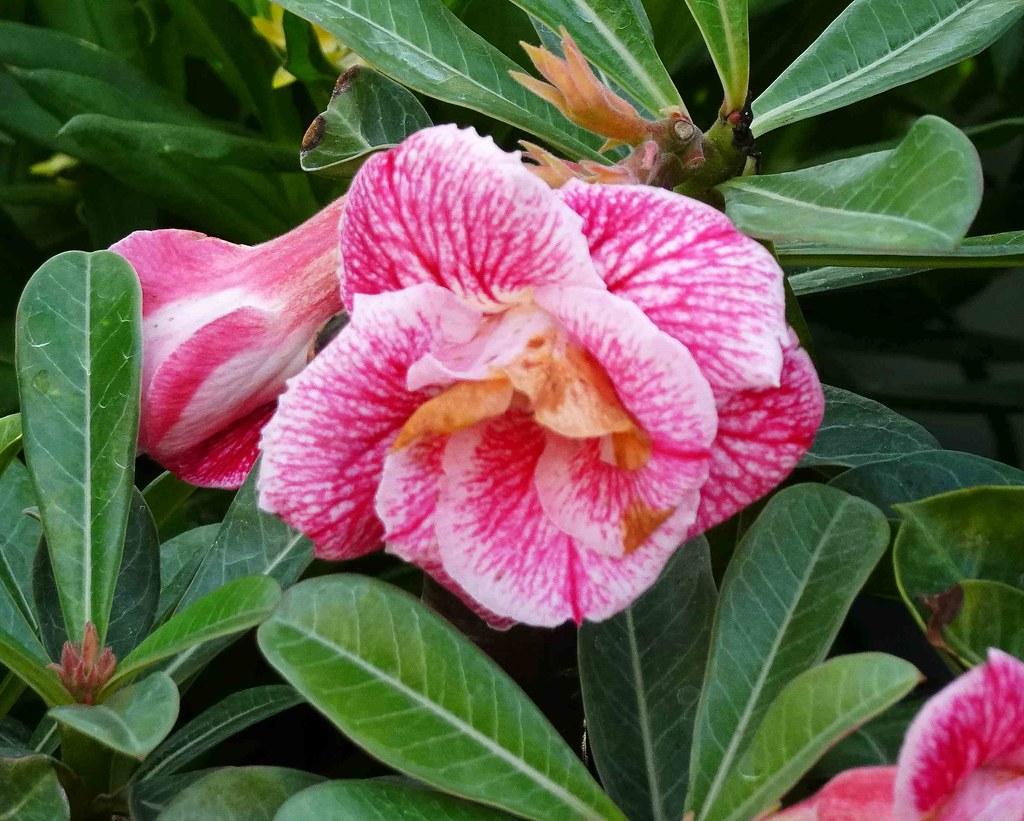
<point x="84" y="668"/>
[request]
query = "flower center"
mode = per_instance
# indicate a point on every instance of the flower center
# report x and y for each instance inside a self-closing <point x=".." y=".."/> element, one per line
<point x="560" y="383"/>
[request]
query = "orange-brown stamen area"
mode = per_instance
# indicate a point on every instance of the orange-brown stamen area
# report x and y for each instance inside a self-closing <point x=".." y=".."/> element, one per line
<point x="639" y="521"/>
<point x="562" y="385"/>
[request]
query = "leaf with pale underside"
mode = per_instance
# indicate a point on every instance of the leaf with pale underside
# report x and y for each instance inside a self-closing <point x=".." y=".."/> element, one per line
<point x="918" y="197"/>
<point x="79" y="352"/>
<point x="380" y="666"/>
<point x="875" y="45"/>
<point x="991" y="614"/>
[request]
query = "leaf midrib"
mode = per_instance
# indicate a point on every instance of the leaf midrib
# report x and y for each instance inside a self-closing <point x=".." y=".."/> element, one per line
<point x="640" y="689"/>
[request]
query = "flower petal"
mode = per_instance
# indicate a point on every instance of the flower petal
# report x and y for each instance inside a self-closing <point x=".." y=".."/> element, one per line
<point x="761" y="436"/>
<point x="975" y="721"/>
<point x="861" y="794"/>
<point x="500" y="547"/>
<point x="449" y="207"/>
<point x="610" y="508"/>
<point x="987" y="796"/>
<point x="684" y="263"/>
<point x="325" y="447"/>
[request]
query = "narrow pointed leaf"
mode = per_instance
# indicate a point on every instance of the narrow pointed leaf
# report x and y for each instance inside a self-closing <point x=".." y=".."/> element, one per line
<point x="380" y="666"/>
<point x="875" y="45"/>
<point x="79" y="359"/>
<point x="31" y="791"/>
<point x="724" y="26"/>
<point x="147" y="799"/>
<point x="368" y="112"/>
<point x="180" y="558"/>
<point x="641" y="673"/>
<point x="19" y="537"/>
<point x="165" y="495"/>
<point x="875" y="744"/>
<point x="233" y="608"/>
<point x="991" y="614"/>
<point x="381" y="801"/>
<point x="812" y="712"/>
<point x="238" y="794"/>
<point x="784" y="596"/>
<point x="131" y="722"/>
<point x="422" y="45"/>
<point x="29" y="664"/>
<point x="857" y="431"/>
<point x="226" y="718"/>
<point x="10" y="439"/>
<point x="614" y="37"/>
<point x="918" y="197"/>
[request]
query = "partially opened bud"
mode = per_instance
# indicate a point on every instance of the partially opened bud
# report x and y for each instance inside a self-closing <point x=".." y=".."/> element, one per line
<point x="84" y="668"/>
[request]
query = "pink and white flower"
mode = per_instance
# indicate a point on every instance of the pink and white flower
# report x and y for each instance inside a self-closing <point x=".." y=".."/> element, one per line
<point x="224" y="326"/>
<point x="962" y="758"/>
<point x="540" y="394"/>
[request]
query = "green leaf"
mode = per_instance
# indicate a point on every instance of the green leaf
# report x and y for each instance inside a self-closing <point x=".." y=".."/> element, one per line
<point x="986" y="251"/>
<point x="641" y="673"/>
<point x="918" y="197"/>
<point x="367" y="113"/>
<point x="381" y="800"/>
<point x="31" y="791"/>
<point x="180" y="558"/>
<point x="875" y="45"/>
<point x="422" y="45"/>
<point x="147" y="799"/>
<point x="859" y="431"/>
<point x="29" y="664"/>
<point x="615" y="36"/>
<point x="991" y="614"/>
<point x="926" y="473"/>
<point x="724" y="26"/>
<point x="876" y="744"/>
<point x="784" y="597"/>
<point x="812" y="712"/>
<point x="131" y="722"/>
<point x="135" y="594"/>
<point x="165" y="494"/>
<point x="237" y="606"/>
<point x="966" y="534"/>
<point x="238" y="794"/>
<point x="79" y="353"/>
<point x="379" y="665"/>
<point x="221" y="721"/>
<point x="19" y="536"/>
<point x="10" y="439"/>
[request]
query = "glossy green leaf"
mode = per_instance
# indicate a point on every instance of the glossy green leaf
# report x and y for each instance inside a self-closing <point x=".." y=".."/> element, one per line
<point x="135" y="594"/>
<point x="991" y="614"/>
<point x="641" y="673"/>
<point x="180" y="558"/>
<point x="165" y="495"/>
<point x="875" y="744"/>
<point x="847" y="267"/>
<point x="147" y="799"/>
<point x="381" y="801"/>
<point x="813" y="711"/>
<point x="875" y="45"/>
<point x="238" y="794"/>
<point x="379" y="665"/>
<point x="237" y="606"/>
<point x="422" y="45"/>
<point x="368" y="112"/>
<point x="784" y="596"/>
<point x="19" y="536"/>
<point x="858" y="431"/>
<point x="926" y="473"/>
<point x="966" y="534"/>
<point x="10" y="439"/>
<point x="723" y="24"/>
<point x="31" y="791"/>
<point x="216" y="724"/>
<point x="131" y="722"/>
<point x="614" y="36"/>
<point x="918" y="197"/>
<point x="29" y="664"/>
<point x="79" y="362"/>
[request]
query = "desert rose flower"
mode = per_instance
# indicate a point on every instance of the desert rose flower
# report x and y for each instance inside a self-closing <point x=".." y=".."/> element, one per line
<point x="540" y="393"/>
<point x="224" y="326"/>
<point x="962" y="759"/>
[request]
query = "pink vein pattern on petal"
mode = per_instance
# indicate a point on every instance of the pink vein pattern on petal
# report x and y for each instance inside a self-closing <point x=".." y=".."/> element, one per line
<point x="449" y="207"/>
<point x="225" y="459"/>
<point x="861" y="794"/>
<point x="975" y="721"/>
<point x="761" y="436"/>
<point x="996" y="795"/>
<point x="324" y="449"/>
<point x="699" y="279"/>
<point x="608" y="508"/>
<point x="497" y="543"/>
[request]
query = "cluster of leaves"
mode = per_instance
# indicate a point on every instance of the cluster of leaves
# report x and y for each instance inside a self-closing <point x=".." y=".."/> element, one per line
<point x="712" y="693"/>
